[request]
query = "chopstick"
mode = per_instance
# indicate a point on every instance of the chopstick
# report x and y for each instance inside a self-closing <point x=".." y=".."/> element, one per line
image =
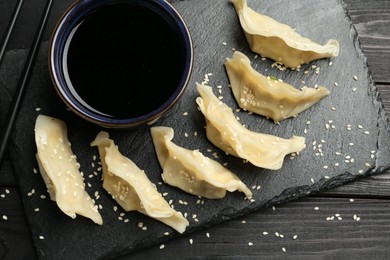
<point x="21" y="87"/>
<point x="10" y="28"/>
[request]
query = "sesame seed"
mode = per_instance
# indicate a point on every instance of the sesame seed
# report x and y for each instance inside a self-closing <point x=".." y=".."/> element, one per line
<point x="277" y="234"/>
<point x="224" y="43"/>
<point x="265" y="233"/>
<point x="207" y="234"/>
<point x="191" y="241"/>
<point x="185" y="114"/>
<point x="5" y="217"/>
<point x="38" y="109"/>
<point x="351" y="200"/>
<point x="283" y="249"/>
<point x="295" y="237"/>
<point x="312" y="180"/>
<point x="355" y="77"/>
<point x="41" y="237"/>
<point x="316" y="208"/>
<point x="243" y="221"/>
<point x="36" y="209"/>
<point x="35" y="170"/>
<point x="250" y="244"/>
<point x="162" y="246"/>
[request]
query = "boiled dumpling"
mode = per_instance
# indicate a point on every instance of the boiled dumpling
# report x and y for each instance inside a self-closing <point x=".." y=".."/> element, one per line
<point x="60" y="171"/>
<point x="191" y="171"/>
<point x="224" y="131"/>
<point x="265" y="96"/>
<point x="131" y="188"/>
<point x="279" y="41"/>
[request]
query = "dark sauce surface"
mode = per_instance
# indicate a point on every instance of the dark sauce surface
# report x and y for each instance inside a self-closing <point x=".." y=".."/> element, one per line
<point x="124" y="60"/>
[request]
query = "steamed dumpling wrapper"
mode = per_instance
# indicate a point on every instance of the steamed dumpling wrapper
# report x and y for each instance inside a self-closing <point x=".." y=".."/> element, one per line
<point x="265" y="96"/>
<point x="60" y="170"/>
<point x="225" y="132"/>
<point x="278" y="41"/>
<point x="131" y="188"/>
<point x="191" y="171"/>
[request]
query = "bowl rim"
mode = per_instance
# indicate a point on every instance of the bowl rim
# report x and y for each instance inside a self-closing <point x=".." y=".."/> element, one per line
<point x="71" y="17"/>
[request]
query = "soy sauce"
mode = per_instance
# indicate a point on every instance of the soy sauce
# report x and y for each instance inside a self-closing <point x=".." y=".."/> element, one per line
<point x="124" y="60"/>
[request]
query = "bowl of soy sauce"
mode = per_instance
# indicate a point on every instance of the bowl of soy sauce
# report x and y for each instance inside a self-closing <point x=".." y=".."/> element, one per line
<point x="120" y="63"/>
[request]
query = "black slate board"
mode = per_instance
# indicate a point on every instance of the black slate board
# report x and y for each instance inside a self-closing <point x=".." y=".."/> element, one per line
<point x="212" y="23"/>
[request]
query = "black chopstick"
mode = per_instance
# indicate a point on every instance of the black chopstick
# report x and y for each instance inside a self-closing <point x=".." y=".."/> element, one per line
<point x="20" y="89"/>
<point x="10" y="29"/>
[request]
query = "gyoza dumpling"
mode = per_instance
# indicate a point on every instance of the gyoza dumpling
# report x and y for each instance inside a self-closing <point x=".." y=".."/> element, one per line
<point x="131" y="188"/>
<point x="225" y="132"/>
<point x="265" y="96"/>
<point x="279" y="41"/>
<point x="60" y="170"/>
<point x="191" y="171"/>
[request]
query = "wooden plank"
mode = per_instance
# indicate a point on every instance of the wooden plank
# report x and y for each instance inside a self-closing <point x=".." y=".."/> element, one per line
<point x="372" y="22"/>
<point x="368" y="238"/>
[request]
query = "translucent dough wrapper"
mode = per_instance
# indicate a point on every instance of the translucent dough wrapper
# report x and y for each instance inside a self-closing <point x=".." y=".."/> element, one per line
<point x="131" y="188"/>
<point x="265" y="96"/>
<point x="191" y="171"/>
<point x="224" y="131"/>
<point x="278" y="41"/>
<point x="60" y="170"/>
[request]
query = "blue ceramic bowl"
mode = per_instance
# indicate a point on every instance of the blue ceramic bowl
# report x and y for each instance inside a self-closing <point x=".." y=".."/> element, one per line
<point x="71" y="18"/>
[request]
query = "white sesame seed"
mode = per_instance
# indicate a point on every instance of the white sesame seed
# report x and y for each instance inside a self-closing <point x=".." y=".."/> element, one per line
<point x="185" y="114"/>
<point x="351" y="200"/>
<point x="38" y="109"/>
<point x="250" y="244"/>
<point x="5" y="217"/>
<point x="283" y="249"/>
<point x="295" y="237"/>
<point x="162" y="246"/>
<point x="191" y="241"/>
<point x="355" y="77"/>
<point x="243" y="221"/>
<point x="207" y="234"/>
<point x="224" y="43"/>
<point x="36" y="209"/>
<point x="265" y="233"/>
<point x="316" y="208"/>
<point x="41" y="237"/>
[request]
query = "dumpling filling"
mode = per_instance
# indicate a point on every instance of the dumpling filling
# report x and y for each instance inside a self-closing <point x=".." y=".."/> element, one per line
<point x="266" y="96"/>
<point x="60" y="170"/>
<point x="131" y="188"/>
<point x="191" y="171"/>
<point x="278" y="41"/>
<point x="224" y="131"/>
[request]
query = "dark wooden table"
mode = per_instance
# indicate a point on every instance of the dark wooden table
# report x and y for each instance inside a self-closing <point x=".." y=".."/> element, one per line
<point x="352" y="221"/>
